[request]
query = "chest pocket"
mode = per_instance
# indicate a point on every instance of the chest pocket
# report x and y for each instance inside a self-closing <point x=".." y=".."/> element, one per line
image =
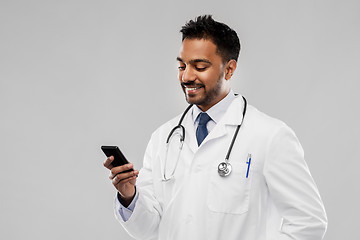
<point x="230" y="194"/>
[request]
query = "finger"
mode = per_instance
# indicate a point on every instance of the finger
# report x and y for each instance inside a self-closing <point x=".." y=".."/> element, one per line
<point x="121" y="176"/>
<point x="116" y="170"/>
<point x="108" y="162"/>
<point x="119" y="185"/>
<point x="124" y="177"/>
<point x="120" y="169"/>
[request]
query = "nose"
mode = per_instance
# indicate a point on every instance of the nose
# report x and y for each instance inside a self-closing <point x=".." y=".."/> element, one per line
<point x="188" y="75"/>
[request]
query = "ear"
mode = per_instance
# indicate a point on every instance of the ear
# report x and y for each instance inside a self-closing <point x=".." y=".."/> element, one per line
<point x="230" y="68"/>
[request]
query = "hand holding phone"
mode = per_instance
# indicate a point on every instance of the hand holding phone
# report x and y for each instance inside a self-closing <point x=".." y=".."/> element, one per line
<point x="124" y="181"/>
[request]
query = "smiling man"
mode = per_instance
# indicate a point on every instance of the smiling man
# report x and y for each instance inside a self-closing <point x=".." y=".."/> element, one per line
<point x="203" y="73"/>
<point x="222" y="169"/>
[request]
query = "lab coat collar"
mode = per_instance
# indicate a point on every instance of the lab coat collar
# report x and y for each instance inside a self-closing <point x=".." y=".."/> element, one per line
<point x="217" y="111"/>
<point x="232" y="116"/>
<point x="234" y="113"/>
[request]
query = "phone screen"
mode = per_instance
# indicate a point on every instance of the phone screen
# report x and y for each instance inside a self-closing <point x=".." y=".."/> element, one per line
<point x="119" y="158"/>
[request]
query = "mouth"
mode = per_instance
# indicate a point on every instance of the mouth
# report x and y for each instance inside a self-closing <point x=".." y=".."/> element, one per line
<point x="190" y="90"/>
<point x="191" y="87"/>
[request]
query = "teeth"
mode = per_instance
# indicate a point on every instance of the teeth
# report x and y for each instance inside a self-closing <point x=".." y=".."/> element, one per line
<point x="192" y="89"/>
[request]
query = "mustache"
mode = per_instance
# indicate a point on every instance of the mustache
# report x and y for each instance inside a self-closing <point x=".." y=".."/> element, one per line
<point x="192" y="84"/>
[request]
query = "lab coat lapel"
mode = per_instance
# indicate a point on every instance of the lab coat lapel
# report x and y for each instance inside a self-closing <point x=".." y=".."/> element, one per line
<point x="190" y="137"/>
<point x="232" y="117"/>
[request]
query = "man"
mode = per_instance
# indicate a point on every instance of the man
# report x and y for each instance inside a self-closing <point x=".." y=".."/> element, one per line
<point x="186" y="191"/>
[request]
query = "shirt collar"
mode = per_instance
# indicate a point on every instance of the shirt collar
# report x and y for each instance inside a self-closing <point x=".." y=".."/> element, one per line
<point x="217" y="111"/>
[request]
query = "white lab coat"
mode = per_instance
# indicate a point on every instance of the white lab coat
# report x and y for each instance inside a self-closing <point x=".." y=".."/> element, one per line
<point x="278" y="201"/>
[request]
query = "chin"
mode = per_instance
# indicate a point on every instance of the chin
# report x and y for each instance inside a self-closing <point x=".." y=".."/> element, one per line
<point x="193" y="100"/>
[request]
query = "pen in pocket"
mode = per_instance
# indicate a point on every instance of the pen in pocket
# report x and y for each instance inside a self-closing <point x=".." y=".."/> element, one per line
<point x="248" y="163"/>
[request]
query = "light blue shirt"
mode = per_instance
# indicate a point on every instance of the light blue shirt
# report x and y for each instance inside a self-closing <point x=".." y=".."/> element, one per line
<point x="125" y="212"/>
<point x="216" y="112"/>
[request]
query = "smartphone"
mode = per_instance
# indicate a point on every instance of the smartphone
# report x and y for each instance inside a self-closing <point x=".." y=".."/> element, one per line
<point x="119" y="158"/>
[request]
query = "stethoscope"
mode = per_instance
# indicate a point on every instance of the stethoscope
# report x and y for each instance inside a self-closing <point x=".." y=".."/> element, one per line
<point x="224" y="168"/>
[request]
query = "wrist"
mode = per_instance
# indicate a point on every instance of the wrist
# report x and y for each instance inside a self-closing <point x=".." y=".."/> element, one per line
<point x="126" y="201"/>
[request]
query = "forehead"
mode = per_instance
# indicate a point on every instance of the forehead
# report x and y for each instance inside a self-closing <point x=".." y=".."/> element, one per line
<point x="192" y="49"/>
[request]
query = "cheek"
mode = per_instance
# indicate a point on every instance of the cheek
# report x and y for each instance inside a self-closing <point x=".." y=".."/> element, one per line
<point x="208" y="78"/>
<point x="179" y="75"/>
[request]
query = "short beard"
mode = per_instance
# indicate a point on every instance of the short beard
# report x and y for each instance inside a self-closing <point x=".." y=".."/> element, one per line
<point x="210" y="96"/>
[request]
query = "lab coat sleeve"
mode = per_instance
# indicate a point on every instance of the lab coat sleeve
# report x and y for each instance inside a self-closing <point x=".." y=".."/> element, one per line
<point x="144" y="221"/>
<point x="293" y="190"/>
<point x="125" y="212"/>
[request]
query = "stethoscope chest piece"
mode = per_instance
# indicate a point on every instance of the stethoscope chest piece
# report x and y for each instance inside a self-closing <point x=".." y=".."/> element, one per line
<point x="224" y="169"/>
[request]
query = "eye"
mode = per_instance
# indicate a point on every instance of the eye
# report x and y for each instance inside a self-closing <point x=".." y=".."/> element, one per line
<point x="181" y="68"/>
<point x="200" y="69"/>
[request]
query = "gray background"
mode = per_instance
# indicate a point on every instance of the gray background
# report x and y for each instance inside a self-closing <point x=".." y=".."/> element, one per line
<point x="75" y="75"/>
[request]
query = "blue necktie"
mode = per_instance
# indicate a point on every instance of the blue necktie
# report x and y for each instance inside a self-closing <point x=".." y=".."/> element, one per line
<point x="201" y="131"/>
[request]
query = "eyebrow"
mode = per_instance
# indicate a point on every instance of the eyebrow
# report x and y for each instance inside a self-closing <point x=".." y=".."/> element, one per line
<point x="200" y="60"/>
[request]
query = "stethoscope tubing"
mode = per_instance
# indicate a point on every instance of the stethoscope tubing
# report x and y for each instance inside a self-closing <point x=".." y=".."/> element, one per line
<point x="222" y="172"/>
<point x="236" y="132"/>
<point x="179" y="126"/>
<point x="183" y="128"/>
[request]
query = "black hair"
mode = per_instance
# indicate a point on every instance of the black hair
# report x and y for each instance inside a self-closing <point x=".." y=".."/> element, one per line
<point x="225" y="38"/>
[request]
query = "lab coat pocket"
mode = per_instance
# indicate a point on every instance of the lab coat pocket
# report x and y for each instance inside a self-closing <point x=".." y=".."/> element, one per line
<point x="230" y="194"/>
